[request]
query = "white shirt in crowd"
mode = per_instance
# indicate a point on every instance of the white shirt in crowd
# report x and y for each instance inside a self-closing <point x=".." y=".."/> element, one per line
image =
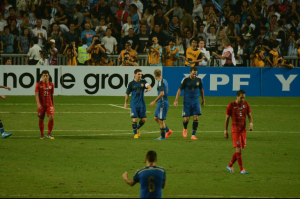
<point x="139" y="5"/>
<point x="3" y="23"/>
<point x="197" y="11"/>
<point x="126" y="28"/>
<point x="34" y="52"/>
<point x="103" y="28"/>
<point x="36" y="32"/>
<point x="207" y="55"/>
<point x="109" y="44"/>
<point x="43" y="62"/>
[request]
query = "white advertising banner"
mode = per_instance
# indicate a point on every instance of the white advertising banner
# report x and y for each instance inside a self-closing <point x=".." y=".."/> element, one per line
<point x="79" y="80"/>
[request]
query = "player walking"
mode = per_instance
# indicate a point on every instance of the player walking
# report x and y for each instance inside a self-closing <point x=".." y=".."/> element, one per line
<point x="162" y="105"/>
<point x="191" y="104"/>
<point x="44" y="91"/>
<point x="3" y="134"/>
<point x="137" y="87"/>
<point x="151" y="178"/>
<point x="238" y="111"/>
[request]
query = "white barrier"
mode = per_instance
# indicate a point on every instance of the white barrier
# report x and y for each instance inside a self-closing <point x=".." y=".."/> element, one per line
<point x="84" y="80"/>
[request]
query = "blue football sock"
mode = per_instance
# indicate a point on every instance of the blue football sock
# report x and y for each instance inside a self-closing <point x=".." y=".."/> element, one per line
<point x="195" y="126"/>
<point x="185" y="124"/>
<point x="163" y="133"/>
<point x="141" y="123"/>
<point x="167" y="129"/>
<point x="1" y="127"/>
<point x="134" y="126"/>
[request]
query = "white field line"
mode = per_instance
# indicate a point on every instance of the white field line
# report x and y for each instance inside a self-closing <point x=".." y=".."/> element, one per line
<point x="65" y="112"/>
<point x="116" y="105"/>
<point x="122" y="195"/>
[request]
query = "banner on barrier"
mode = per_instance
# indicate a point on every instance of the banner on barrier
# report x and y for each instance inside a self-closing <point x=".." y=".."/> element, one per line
<point x="102" y="81"/>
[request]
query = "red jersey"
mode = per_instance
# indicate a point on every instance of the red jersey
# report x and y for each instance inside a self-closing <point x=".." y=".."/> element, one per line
<point x="238" y="113"/>
<point x="45" y="90"/>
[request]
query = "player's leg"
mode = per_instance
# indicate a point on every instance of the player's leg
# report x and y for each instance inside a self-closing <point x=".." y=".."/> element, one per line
<point x="165" y="113"/>
<point x="239" y="152"/>
<point x="50" y="113"/>
<point x="141" y="114"/>
<point x="3" y="134"/>
<point x="134" y="127"/>
<point x="41" y="116"/>
<point x="141" y="123"/>
<point x="185" y="125"/>
<point x="162" y="129"/>
<point x="195" y="127"/>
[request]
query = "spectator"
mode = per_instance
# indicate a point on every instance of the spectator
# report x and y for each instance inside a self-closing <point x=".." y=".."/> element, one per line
<point x="78" y="18"/>
<point x="211" y="41"/>
<point x="56" y="35"/>
<point x="20" y="19"/>
<point x="24" y="41"/>
<point x="61" y="18"/>
<point x="239" y="51"/>
<point x="128" y="49"/>
<point x="275" y="5"/>
<point x="205" y="14"/>
<point x="292" y="44"/>
<point x="177" y="11"/>
<point x="72" y="54"/>
<point x="159" y="34"/>
<point x="278" y="34"/>
<point x="72" y="35"/>
<point x="135" y="17"/>
<point x="110" y="43"/>
<point x="188" y="37"/>
<point x="7" y="6"/>
<point x="263" y="33"/>
<point x="139" y="5"/>
<point x="54" y="8"/>
<point x="134" y="40"/>
<point x="127" y="61"/>
<point x="192" y="55"/>
<point x="15" y="32"/>
<point x="40" y="33"/>
<point x="198" y="9"/>
<point x="205" y="54"/>
<point x="43" y="61"/>
<point x="126" y="27"/>
<point x="143" y="38"/>
<point x="94" y="22"/>
<point x="171" y="54"/>
<point x="159" y="18"/>
<point x="187" y="19"/>
<point x="104" y="61"/>
<point x="96" y="47"/>
<point x="236" y="25"/>
<point x="93" y="61"/>
<point x="53" y="53"/>
<point x="12" y="15"/>
<point x="174" y="25"/>
<point x="219" y="42"/>
<point x="34" y="52"/>
<point x="101" y="29"/>
<point x="227" y="58"/>
<point x="8" y="41"/>
<point x="70" y="5"/>
<point x="3" y="23"/>
<point x="246" y="30"/>
<point x="231" y="33"/>
<point x="83" y="55"/>
<point x="245" y="10"/>
<point x="103" y="9"/>
<point x="293" y="12"/>
<point x="88" y="34"/>
<point x="26" y="23"/>
<point x="122" y="14"/>
<point x="209" y="4"/>
<point x="148" y="16"/>
<point x="258" y="57"/>
<point x="7" y="61"/>
<point x="155" y="5"/>
<point x="84" y="9"/>
<point x="155" y="53"/>
<point x="273" y="22"/>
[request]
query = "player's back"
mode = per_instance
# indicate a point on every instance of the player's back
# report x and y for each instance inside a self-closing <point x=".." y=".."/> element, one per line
<point x="163" y="85"/>
<point x="151" y="180"/>
<point x="191" y="89"/>
<point x="137" y="92"/>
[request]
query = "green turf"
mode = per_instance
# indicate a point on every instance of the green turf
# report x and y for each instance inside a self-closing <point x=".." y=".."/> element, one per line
<point x="92" y="150"/>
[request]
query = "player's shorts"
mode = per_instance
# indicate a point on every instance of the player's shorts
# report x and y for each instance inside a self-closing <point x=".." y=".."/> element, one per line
<point x="191" y="109"/>
<point x="162" y="111"/>
<point x="239" y="139"/>
<point x="45" y="109"/>
<point x="138" y="112"/>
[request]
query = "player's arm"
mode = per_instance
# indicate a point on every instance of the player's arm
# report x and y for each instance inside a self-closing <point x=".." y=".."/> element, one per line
<point x="226" y="126"/>
<point x="164" y="184"/>
<point x="177" y="96"/>
<point x="251" y="121"/>
<point x="37" y="99"/>
<point x="129" y="182"/>
<point x="161" y="95"/>
<point x="126" y="100"/>
<point x="149" y="88"/>
<point x="5" y="87"/>
<point x="203" y="98"/>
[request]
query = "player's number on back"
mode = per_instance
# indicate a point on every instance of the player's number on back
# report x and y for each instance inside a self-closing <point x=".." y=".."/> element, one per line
<point x="151" y="185"/>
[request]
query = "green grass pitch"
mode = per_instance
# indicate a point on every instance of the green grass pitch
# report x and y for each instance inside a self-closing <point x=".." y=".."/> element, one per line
<point x="94" y="145"/>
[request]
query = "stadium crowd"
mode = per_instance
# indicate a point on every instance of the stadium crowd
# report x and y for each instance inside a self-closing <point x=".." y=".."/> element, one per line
<point x="88" y="31"/>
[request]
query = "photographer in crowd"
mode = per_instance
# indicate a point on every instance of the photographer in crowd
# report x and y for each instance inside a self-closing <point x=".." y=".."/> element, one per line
<point x="105" y="62"/>
<point x="171" y="54"/>
<point x="155" y="52"/>
<point x="127" y="62"/>
<point x="193" y="55"/>
<point x="71" y="52"/>
<point x="53" y="53"/>
<point x="43" y="61"/>
<point x="205" y="54"/>
<point x="133" y="54"/>
<point x="227" y="58"/>
<point x="96" y="47"/>
<point x="258" y="57"/>
<point x="93" y="61"/>
<point x="274" y="58"/>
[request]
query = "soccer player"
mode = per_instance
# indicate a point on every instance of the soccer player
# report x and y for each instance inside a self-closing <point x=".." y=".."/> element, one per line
<point x="44" y="91"/>
<point x="162" y="105"/>
<point x="238" y="111"/>
<point x="137" y="87"/>
<point x="3" y="134"/>
<point x="191" y="104"/>
<point x="151" y="178"/>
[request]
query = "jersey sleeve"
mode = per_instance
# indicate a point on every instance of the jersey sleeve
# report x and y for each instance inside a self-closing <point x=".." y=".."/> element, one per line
<point x="165" y="176"/>
<point x="146" y="84"/>
<point x="37" y="88"/>
<point x="136" y="177"/>
<point x="248" y="108"/>
<point x="128" y="91"/>
<point x="201" y="85"/>
<point x="229" y="110"/>
<point x="52" y="92"/>
<point x="182" y="86"/>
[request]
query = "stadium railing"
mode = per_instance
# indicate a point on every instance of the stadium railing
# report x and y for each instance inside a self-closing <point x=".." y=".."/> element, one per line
<point x="21" y="59"/>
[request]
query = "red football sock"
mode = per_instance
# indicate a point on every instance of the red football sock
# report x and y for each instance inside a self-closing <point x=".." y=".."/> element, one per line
<point x="232" y="160"/>
<point x="240" y="161"/>
<point x="41" y="125"/>
<point x="50" y="126"/>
